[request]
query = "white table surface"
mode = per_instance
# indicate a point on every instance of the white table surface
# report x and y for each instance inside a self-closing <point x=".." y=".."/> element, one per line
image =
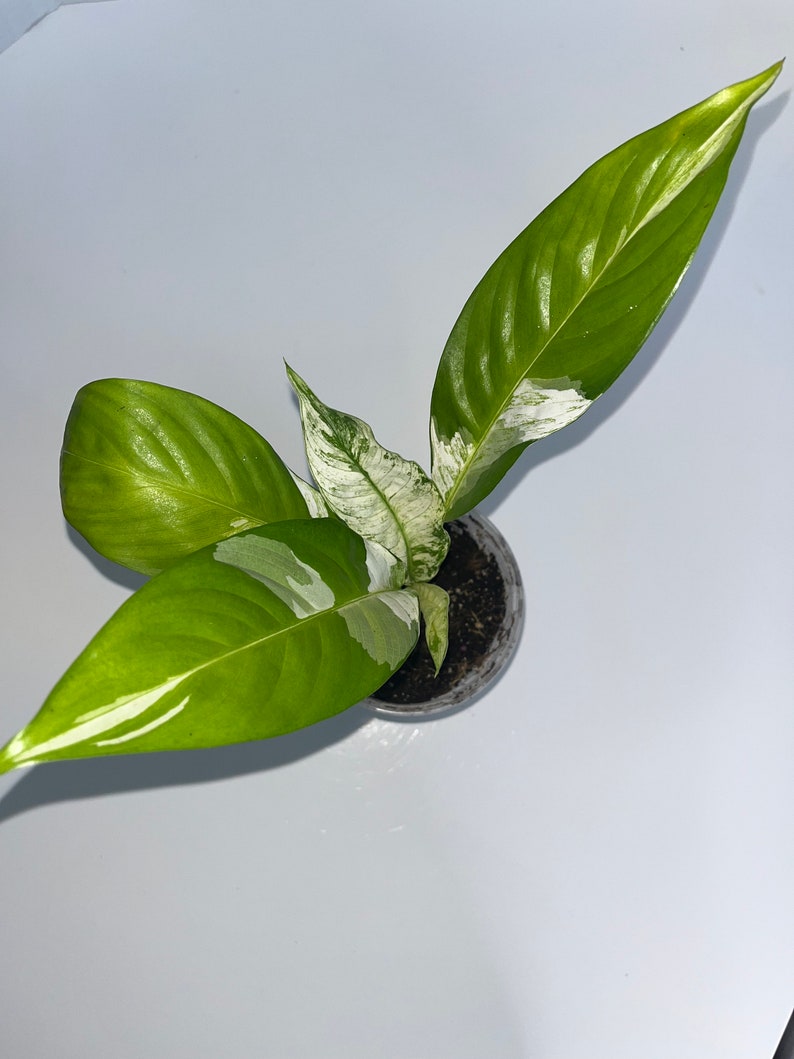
<point x="593" y="862"/>
<point x="18" y="16"/>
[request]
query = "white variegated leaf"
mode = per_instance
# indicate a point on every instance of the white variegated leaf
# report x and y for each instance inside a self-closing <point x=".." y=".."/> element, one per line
<point x="313" y="497"/>
<point x="378" y="493"/>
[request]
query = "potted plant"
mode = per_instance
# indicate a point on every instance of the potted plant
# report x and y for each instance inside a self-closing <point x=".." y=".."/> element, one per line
<point x="275" y="603"/>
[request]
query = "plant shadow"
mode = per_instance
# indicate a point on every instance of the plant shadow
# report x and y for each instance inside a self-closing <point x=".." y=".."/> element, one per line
<point x="120" y="575"/>
<point x="63" y="781"/>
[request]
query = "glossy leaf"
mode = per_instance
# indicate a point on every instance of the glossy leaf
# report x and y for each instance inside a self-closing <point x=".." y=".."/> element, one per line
<point x="434" y="608"/>
<point x="381" y="495"/>
<point x="150" y="474"/>
<point x="564" y="309"/>
<point x="254" y="636"/>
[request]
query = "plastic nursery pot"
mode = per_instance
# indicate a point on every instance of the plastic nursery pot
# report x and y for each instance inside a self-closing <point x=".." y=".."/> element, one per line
<point x="486" y="613"/>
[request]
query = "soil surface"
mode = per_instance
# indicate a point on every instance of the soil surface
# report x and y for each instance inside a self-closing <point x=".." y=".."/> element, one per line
<point x="476" y="611"/>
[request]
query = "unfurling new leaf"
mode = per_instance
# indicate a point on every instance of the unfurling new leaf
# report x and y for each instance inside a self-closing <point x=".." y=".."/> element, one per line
<point x="434" y="608"/>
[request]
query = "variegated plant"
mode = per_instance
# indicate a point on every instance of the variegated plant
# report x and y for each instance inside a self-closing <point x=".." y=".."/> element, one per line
<point x="276" y="603"/>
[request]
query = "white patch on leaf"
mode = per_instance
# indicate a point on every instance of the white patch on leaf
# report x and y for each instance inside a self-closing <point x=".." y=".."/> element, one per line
<point x="371" y="627"/>
<point x="402" y="605"/>
<point x="376" y="492"/>
<point x="385" y="570"/>
<point x="313" y="497"/>
<point x="97" y="722"/>
<point x="533" y="412"/>
<point x="449" y="457"/>
<point x="277" y="566"/>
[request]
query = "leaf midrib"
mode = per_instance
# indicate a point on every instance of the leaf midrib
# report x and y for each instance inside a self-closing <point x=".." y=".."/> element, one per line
<point x="647" y="217"/>
<point x="300" y="622"/>
<point x="354" y="459"/>
<point x="150" y="479"/>
<point x="725" y="130"/>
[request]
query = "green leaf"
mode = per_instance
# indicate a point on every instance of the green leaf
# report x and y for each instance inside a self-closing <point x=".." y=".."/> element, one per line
<point x="434" y="608"/>
<point x="381" y="495"/>
<point x="254" y="636"/>
<point x="150" y="474"/>
<point x="564" y="309"/>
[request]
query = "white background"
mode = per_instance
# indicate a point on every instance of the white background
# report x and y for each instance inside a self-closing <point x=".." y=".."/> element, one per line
<point x="17" y="16"/>
<point x="595" y="860"/>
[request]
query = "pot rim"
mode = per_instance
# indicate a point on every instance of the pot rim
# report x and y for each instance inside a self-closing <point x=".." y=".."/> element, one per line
<point x="477" y="680"/>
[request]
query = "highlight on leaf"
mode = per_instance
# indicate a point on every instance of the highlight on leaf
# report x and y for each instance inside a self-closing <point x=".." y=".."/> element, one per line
<point x="249" y="638"/>
<point x="150" y="474"/>
<point x="565" y="308"/>
<point x="280" y="604"/>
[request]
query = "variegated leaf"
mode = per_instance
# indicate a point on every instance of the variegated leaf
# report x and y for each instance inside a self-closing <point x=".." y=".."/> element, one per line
<point x="252" y="637"/>
<point x="378" y="493"/>
<point x="565" y="308"/>
<point x="313" y="497"/>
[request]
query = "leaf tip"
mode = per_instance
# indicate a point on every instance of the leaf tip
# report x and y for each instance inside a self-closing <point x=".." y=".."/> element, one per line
<point x="298" y="384"/>
<point x="763" y="81"/>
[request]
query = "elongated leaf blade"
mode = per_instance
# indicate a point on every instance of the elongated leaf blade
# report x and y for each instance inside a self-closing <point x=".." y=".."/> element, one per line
<point x="252" y="637"/>
<point x="381" y="495"/>
<point x="566" y="307"/>
<point x="150" y="473"/>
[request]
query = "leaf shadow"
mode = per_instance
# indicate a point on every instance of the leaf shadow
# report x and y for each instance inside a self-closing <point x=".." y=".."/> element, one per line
<point x="120" y="575"/>
<point x="64" y="781"/>
<point x="605" y="407"/>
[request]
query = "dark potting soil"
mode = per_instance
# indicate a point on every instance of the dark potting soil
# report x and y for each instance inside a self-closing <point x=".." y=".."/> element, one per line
<point x="477" y="609"/>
